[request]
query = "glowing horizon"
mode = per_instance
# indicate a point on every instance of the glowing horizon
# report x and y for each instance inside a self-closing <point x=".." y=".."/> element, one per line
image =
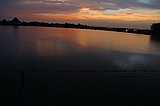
<point x="121" y="13"/>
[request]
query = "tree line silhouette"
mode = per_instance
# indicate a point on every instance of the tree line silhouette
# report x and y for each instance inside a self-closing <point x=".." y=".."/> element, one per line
<point x="155" y="27"/>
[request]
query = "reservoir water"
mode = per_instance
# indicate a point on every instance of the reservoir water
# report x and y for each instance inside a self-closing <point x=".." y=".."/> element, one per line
<point x="64" y="66"/>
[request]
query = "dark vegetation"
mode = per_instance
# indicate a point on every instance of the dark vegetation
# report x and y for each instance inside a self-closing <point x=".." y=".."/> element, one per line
<point x="155" y="28"/>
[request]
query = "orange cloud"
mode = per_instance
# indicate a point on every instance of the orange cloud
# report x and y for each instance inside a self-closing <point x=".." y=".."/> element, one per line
<point x="88" y="14"/>
<point x="84" y="9"/>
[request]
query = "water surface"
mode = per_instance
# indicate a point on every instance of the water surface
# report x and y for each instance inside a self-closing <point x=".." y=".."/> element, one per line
<point x="34" y="48"/>
<point x="64" y="66"/>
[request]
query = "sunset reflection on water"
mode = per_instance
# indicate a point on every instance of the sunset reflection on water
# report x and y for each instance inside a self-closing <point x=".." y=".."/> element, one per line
<point x="67" y="40"/>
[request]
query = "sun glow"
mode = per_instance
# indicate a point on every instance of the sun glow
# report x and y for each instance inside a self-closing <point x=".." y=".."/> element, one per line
<point x="86" y="13"/>
<point x="84" y="9"/>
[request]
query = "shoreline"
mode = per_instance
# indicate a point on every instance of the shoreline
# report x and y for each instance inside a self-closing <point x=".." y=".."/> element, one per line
<point x="16" y="22"/>
<point x="124" y="30"/>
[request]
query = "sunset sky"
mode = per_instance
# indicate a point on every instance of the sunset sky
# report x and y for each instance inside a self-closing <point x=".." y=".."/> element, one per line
<point x="112" y="13"/>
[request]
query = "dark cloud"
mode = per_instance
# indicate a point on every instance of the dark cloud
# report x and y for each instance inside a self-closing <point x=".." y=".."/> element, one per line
<point x="57" y="2"/>
<point x="73" y="5"/>
<point x="33" y="6"/>
<point x="9" y="2"/>
<point x="121" y="4"/>
<point x="153" y="4"/>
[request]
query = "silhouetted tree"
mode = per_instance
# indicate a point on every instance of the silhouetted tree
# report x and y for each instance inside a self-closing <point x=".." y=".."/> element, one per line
<point x="155" y="27"/>
<point x="15" y="20"/>
<point x="4" y="20"/>
<point x="79" y="24"/>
